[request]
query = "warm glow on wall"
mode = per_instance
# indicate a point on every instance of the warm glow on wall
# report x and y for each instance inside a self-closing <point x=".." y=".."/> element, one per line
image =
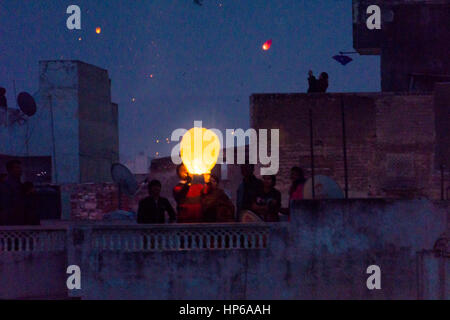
<point x="199" y="150"/>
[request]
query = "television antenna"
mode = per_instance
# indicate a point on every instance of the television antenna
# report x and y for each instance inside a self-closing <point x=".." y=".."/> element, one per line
<point x="27" y="108"/>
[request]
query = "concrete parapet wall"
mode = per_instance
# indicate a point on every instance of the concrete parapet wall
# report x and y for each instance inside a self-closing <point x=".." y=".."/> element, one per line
<point x="322" y="253"/>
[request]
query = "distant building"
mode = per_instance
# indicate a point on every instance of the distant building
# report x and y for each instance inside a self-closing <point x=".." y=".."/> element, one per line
<point x="140" y="165"/>
<point x="413" y="42"/>
<point x="76" y="124"/>
<point x="396" y="143"/>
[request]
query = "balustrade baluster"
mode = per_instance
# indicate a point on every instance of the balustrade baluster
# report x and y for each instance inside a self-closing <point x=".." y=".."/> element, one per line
<point x="186" y="242"/>
<point x="177" y="241"/>
<point x="200" y="241"/>
<point x="140" y="242"/>
<point x="222" y="241"/>
<point x="252" y="241"/>
<point x="193" y="241"/>
<point x="126" y="242"/>
<point x="27" y="244"/>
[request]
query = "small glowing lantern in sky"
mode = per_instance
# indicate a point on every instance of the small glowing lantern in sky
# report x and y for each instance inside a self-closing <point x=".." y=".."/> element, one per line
<point x="266" y="46"/>
<point x="98" y="30"/>
<point x="199" y="150"/>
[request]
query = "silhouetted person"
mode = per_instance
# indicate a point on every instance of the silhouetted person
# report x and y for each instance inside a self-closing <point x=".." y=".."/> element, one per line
<point x="248" y="189"/>
<point x="296" y="189"/>
<point x="267" y="202"/>
<point x="317" y="85"/>
<point x="298" y="181"/>
<point x="188" y="195"/>
<point x="12" y="199"/>
<point x="216" y="205"/>
<point x="153" y="208"/>
<point x="3" y="101"/>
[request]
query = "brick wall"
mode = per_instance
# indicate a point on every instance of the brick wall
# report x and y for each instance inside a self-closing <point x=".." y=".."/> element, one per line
<point x="390" y="140"/>
<point x="91" y="201"/>
<point x="414" y="39"/>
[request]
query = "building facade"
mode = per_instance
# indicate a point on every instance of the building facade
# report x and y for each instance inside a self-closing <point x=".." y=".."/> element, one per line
<point x="76" y="124"/>
<point x="396" y="144"/>
<point x="413" y="42"/>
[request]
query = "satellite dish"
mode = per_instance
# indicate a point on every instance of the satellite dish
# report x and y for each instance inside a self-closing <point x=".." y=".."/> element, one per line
<point x="324" y="188"/>
<point x="26" y="103"/>
<point x="124" y="178"/>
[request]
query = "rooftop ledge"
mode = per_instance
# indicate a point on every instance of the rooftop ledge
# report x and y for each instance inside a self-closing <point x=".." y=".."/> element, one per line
<point x="336" y="94"/>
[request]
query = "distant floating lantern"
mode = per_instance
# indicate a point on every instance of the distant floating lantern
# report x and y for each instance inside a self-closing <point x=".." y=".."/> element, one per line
<point x="199" y="150"/>
<point x="266" y="46"/>
<point x="98" y="30"/>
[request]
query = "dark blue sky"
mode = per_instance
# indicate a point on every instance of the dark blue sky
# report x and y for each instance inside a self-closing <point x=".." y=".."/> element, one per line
<point x="206" y="60"/>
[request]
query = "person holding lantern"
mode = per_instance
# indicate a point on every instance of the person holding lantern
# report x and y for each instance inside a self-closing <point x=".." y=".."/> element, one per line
<point x="188" y="195"/>
<point x="199" y="151"/>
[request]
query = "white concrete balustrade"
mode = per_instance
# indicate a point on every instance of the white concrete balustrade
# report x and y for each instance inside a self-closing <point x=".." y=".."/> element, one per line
<point x="137" y="238"/>
<point x="180" y="237"/>
<point x="32" y="239"/>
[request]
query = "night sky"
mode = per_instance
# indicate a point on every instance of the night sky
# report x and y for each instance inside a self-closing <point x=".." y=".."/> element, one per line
<point x="205" y="60"/>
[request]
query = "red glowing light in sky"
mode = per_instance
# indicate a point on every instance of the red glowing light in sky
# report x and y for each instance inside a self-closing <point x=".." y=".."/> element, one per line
<point x="266" y="46"/>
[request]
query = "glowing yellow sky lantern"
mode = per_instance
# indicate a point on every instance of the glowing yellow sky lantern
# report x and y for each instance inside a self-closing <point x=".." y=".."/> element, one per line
<point x="199" y="150"/>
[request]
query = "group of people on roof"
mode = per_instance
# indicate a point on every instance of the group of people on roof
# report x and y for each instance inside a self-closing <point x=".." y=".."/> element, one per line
<point x="200" y="199"/>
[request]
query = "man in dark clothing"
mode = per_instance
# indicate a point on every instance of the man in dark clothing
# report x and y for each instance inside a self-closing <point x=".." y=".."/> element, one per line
<point x="248" y="189"/>
<point x="317" y="85"/>
<point x="3" y="101"/>
<point x="267" y="203"/>
<point x="12" y="198"/>
<point x="153" y="208"/>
